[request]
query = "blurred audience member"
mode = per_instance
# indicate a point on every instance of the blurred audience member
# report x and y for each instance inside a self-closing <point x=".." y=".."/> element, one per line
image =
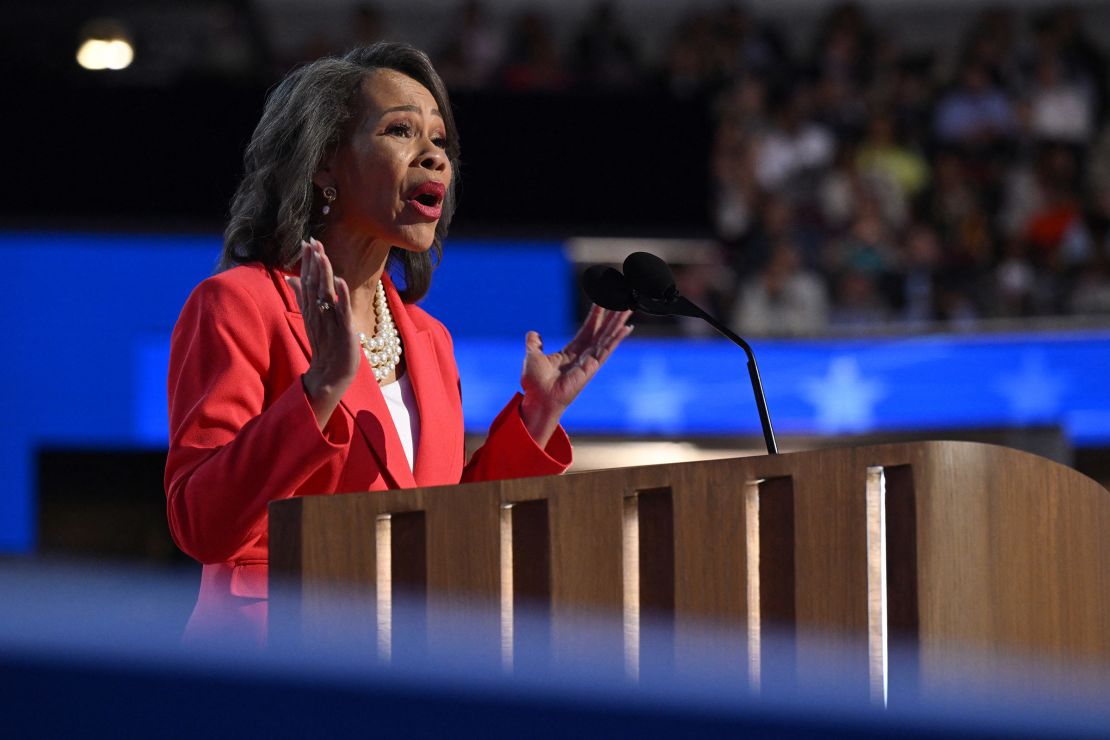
<point x="952" y="195"/>
<point x="605" y="54"/>
<point x="1015" y="281"/>
<point x="534" y="61"/>
<point x="883" y="154"/>
<point x="473" y="50"/>
<point x="744" y="46"/>
<point x="839" y="192"/>
<point x="1097" y="161"/>
<point x="1060" y="109"/>
<point x="845" y="45"/>
<point x="991" y="44"/>
<point x="1091" y="293"/>
<point x="976" y="112"/>
<point x="868" y="247"/>
<point x="1066" y="36"/>
<point x="857" y="301"/>
<point x="796" y="149"/>
<point x="776" y="221"/>
<point x="840" y="107"/>
<point x="845" y="189"/>
<point x="783" y="298"/>
<point x="917" y="290"/>
<point x="1057" y="208"/>
<point x="737" y="193"/>
<point x="911" y="100"/>
<point x="742" y="123"/>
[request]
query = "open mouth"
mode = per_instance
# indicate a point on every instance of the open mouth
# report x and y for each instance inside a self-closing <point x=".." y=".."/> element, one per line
<point x="429" y="194"/>
<point x="427" y="199"/>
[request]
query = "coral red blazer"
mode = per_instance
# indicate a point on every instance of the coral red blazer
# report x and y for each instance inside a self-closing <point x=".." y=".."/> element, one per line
<point x="242" y="433"/>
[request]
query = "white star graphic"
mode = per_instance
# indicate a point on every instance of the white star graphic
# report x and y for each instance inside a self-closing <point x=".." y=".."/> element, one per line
<point x="1033" y="391"/>
<point x="655" y="398"/>
<point x="844" y="399"/>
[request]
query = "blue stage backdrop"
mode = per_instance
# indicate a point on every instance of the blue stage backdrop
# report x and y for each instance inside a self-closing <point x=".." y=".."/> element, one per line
<point x="89" y="319"/>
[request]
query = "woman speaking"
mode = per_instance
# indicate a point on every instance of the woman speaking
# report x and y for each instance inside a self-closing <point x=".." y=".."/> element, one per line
<point x="302" y="367"/>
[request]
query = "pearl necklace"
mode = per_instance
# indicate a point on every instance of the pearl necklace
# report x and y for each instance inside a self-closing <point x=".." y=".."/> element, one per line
<point x="383" y="350"/>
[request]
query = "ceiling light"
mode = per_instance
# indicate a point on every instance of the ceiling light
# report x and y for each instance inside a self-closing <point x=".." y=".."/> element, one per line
<point x="105" y="45"/>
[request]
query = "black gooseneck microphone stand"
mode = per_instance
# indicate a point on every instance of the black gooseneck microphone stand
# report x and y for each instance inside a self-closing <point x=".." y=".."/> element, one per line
<point x="647" y="285"/>
<point x="678" y="305"/>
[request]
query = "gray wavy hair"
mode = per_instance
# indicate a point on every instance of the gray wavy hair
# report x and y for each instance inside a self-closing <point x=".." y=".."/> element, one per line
<point x="277" y="205"/>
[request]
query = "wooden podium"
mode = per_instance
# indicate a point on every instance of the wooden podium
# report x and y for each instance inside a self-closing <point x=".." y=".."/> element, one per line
<point x="936" y="547"/>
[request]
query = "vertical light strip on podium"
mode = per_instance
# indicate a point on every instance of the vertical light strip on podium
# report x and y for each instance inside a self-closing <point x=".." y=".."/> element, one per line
<point x="771" y="581"/>
<point x="751" y="545"/>
<point x="383" y="536"/>
<point x="401" y="571"/>
<point x="648" y="579"/>
<point x="892" y="599"/>
<point x="507" y="587"/>
<point x="877" y="625"/>
<point x="525" y="555"/>
<point x="630" y="577"/>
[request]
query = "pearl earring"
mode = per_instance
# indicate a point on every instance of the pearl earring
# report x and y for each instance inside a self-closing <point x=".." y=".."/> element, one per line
<point x="329" y="196"/>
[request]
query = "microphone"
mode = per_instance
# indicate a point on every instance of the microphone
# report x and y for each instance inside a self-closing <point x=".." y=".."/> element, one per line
<point x="650" y="276"/>
<point x="648" y="285"/>
<point x="607" y="288"/>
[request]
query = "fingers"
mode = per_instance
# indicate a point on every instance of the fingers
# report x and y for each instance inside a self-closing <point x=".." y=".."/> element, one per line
<point x="308" y="262"/>
<point x="326" y="276"/>
<point x="586" y="333"/>
<point x="612" y="322"/>
<point x="307" y="295"/>
<point x="616" y="324"/>
<point x="558" y="378"/>
<point x="594" y="319"/>
<point x="316" y="286"/>
<point x="533" y="342"/>
<point x="597" y="324"/>
<point x="603" y="328"/>
<point x="317" y="282"/>
<point x="610" y="334"/>
<point x="615" y="340"/>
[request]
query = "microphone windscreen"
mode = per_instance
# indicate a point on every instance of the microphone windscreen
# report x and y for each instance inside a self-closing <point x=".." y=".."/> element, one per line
<point x="649" y="275"/>
<point x="607" y="288"/>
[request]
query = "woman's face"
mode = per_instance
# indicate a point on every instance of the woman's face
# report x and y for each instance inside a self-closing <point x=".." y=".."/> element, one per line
<point x="391" y="170"/>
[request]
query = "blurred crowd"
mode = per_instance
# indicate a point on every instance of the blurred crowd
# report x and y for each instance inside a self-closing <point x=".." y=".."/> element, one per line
<point x="862" y="185"/>
<point x="856" y="182"/>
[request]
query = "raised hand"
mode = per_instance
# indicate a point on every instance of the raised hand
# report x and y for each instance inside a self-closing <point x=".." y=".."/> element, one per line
<point x="325" y="303"/>
<point x="552" y="381"/>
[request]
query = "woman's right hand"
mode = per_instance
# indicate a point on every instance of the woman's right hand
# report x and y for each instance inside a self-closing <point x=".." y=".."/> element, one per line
<point x="325" y="303"/>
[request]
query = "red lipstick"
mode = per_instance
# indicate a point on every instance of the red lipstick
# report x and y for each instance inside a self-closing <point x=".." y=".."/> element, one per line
<point x="427" y="198"/>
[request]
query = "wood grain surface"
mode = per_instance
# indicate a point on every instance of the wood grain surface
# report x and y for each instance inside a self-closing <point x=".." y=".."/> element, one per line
<point x="989" y="553"/>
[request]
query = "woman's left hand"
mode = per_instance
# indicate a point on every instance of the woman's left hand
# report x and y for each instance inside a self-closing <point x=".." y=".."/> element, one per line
<point x="551" y="382"/>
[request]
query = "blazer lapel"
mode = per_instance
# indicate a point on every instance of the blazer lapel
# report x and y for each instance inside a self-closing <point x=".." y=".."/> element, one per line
<point x="364" y="402"/>
<point x="435" y="448"/>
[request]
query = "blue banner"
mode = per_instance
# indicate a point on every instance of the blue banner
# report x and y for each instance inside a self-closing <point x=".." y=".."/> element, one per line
<point x="689" y="387"/>
<point x="89" y="320"/>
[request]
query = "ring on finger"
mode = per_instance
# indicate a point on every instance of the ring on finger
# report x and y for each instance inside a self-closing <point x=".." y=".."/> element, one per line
<point x="323" y="305"/>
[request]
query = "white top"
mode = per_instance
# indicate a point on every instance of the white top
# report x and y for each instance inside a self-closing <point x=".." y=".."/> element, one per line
<point x="401" y="402"/>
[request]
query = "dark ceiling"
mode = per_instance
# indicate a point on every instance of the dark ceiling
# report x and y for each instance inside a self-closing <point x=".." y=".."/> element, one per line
<point x="159" y="146"/>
